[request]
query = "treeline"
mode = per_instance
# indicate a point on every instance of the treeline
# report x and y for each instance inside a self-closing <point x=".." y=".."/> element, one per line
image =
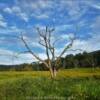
<point x="85" y="59"/>
<point x="81" y="60"/>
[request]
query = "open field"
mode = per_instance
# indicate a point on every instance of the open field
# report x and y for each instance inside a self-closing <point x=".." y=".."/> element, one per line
<point x="71" y="84"/>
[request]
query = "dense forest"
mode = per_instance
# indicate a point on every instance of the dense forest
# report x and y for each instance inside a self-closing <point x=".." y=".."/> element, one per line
<point x="81" y="60"/>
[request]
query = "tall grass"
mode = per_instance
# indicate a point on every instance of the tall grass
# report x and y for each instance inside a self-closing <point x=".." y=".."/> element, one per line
<point x="25" y="86"/>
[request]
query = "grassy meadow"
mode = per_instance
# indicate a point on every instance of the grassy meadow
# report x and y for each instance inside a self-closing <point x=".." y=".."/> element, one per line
<point x="70" y="84"/>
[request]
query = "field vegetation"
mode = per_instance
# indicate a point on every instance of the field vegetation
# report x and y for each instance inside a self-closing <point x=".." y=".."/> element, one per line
<point x="70" y="84"/>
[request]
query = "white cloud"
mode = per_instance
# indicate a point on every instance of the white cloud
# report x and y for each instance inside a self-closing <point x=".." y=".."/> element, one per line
<point x="16" y="9"/>
<point x="93" y="4"/>
<point x="97" y="6"/>
<point x="91" y="44"/>
<point x="73" y="8"/>
<point x="25" y="9"/>
<point x="85" y="45"/>
<point x="33" y="43"/>
<point x="2" y="21"/>
<point x="5" y="52"/>
<point x="10" y="30"/>
<point x="18" y="12"/>
<point x="42" y="9"/>
<point x="39" y="4"/>
<point x="34" y="8"/>
<point x="40" y="16"/>
<point x="1" y="17"/>
<point x="63" y="27"/>
<point x="96" y="25"/>
<point x="8" y="10"/>
<point x="23" y="16"/>
<point x="3" y="24"/>
<point x="67" y="36"/>
<point x="9" y="57"/>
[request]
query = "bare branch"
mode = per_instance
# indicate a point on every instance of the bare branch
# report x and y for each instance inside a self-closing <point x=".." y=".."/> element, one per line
<point x="31" y="52"/>
<point x="57" y="40"/>
<point x="67" y="47"/>
<point x="23" y="52"/>
<point x="45" y="42"/>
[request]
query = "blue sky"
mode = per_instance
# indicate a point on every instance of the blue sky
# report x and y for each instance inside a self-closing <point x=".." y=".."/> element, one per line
<point x="68" y="17"/>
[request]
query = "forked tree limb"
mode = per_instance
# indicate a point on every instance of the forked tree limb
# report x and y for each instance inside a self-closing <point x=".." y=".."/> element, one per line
<point x="31" y="52"/>
<point x="46" y="42"/>
<point x="67" y="47"/>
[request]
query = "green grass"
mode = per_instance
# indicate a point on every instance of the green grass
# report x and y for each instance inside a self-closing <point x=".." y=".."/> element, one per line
<point x="71" y="84"/>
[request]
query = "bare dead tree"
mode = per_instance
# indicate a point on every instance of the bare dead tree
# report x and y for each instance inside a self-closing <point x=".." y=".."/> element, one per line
<point x="45" y="40"/>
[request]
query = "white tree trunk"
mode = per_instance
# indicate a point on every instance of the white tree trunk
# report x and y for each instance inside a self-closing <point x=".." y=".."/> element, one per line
<point x="53" y="72"/>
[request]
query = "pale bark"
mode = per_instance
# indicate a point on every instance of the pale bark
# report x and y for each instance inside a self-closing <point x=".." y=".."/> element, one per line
<point x="45" y="41"/>
<point x="53" y="73"/>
